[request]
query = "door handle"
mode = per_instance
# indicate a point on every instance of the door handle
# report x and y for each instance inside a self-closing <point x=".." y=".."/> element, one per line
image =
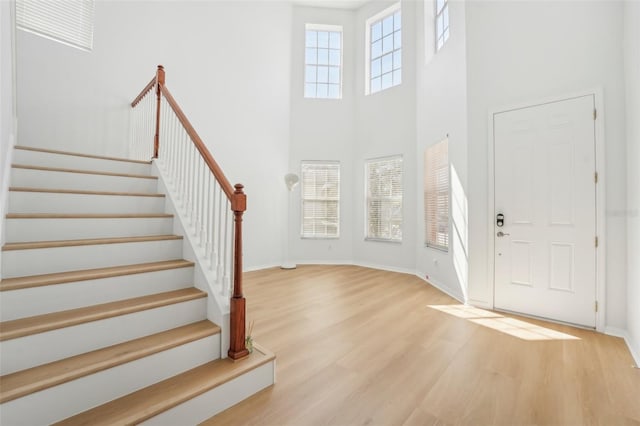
<point x="502" y="234"/>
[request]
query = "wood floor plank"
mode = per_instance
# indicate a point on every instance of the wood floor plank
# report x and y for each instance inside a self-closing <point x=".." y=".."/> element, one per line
<point x="79" y="171"/>
<point x="17" y="283"/>
<point x="38" y="378"/>
<point x="148" y="402"/>
<point x="83" y="192"/>
<point x="41" y="323"/>
<point x="360" y="346"/>
<point x="77" y="154"/>
<point x="87" y="242"/>
<point x="86" y="215"/>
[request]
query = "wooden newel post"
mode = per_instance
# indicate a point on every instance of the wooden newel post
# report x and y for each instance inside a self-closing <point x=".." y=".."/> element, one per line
<point x="159" y="82"/>
<point x="237" y="348"/>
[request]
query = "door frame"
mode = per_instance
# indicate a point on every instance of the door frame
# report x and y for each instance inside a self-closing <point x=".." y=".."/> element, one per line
<point x="600" y="194"/>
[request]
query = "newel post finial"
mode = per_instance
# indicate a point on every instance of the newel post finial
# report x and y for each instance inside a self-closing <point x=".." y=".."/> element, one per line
<point x="160" y="75"/>
<point x="159" y="83"/>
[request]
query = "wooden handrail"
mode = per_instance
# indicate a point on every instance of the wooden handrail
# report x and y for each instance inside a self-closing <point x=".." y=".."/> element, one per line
<point x="146" y="90"/>
<point x="237" y="198"/>
<point x="202" y="149"/>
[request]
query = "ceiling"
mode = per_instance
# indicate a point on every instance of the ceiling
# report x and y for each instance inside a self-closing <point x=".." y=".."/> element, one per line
<point x="337" y="4"/>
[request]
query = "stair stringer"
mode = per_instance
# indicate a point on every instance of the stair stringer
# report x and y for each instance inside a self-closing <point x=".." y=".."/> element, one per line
<point x="203" y="277"/>
<point x="5" y="182"/>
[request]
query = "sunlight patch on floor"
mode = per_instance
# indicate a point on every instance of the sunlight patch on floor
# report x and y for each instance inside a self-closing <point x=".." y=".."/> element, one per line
<point x="511" y="326"/>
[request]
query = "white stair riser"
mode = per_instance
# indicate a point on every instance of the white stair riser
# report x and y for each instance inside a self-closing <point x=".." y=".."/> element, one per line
<point x="82" y="181"/>
<point x="200" y="408"/>
<point x="21" y="353"/>
<point x="34" y="301"/>
<point x="56" y="403"/>
<point x="47" y="202"/>
<point x="55" y="229"/>
<point x="18" y="263"/>
<point x="45" y="159"/>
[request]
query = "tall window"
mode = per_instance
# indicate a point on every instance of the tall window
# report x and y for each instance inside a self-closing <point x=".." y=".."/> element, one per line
<point x="323" y="61"/>
<point x="384" y="35"/>
<point x="442" y="23"/>
<point x="436" y="195"/>
<point x="69" y="22"/>
<point x="383" y="179"/>
<point x="320" y="199"/>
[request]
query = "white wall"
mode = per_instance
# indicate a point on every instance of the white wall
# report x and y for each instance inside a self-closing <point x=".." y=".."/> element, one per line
<point x="7" y="105"/>
<point x="323" y="129"/>
<point x="632" y="91"/>
<point x="228" y="65"/>
<point x="442" y="110"/>
<point x="524" y="51"/>
<point x="386" y="125"/>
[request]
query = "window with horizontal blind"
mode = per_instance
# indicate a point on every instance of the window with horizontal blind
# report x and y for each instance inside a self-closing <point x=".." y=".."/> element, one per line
<point x="320" y="199"/>
<point x="66" y="21"/>
<point x="436" y="195"/>
<point x="383" y="180"/>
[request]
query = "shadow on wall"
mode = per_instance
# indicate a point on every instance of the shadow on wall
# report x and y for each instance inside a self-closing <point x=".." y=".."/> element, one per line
<point x="459" y="219"/>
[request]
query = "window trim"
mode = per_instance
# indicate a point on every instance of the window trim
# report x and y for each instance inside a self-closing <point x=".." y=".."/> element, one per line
<point x="442" y="165"/>
<point x="367" y="64"/>
<point x="302" y="198"/>
<point x="328" y="28"/>
<point x="367" y="162"/>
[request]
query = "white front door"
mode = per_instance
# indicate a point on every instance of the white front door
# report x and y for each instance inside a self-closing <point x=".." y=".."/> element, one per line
<point x="545" y="254"/>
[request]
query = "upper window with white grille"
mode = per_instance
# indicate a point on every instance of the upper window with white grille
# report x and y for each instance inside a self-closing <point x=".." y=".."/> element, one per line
<point x="66" y="21"/>
<point x="442" y="23"/>
<point x="383" y="180"/>
<point x="323" y="62"/>
<point x="320" y="199"/>
<point x="384" y="35"/>
<point x="436" y="195"/>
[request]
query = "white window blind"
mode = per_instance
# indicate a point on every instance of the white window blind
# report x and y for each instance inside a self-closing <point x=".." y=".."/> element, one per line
<point x="66" y="21"/>
<point x="320" y="199"/>
<point x="383" y="180"/>
<point x="436" y="195"/>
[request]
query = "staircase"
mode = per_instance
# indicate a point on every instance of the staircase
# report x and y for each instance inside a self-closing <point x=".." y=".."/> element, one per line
<point x="100" y="319"/>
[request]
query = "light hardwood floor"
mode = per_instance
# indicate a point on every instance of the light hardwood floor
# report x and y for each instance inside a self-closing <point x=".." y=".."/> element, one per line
<point x="358" y="346"/>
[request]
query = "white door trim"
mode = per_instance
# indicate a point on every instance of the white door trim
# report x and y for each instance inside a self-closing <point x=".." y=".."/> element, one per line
<point x="600" y="195"/>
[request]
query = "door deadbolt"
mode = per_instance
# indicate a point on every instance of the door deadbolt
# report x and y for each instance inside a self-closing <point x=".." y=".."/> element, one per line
<point x="499" y="220"/>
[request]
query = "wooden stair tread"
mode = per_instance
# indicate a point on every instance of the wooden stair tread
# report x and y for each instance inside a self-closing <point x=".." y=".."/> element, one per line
<point x="77" y="154"/>
<point x="87" y="242"/>
<point x="41" y="323"/>
<point x="87" y="215"/>
<point x="82" y="192"/>
<point x="17" y="283"/>
<point x="80" y="171"/>
<point x="153" y="400"/>
<point x="38" y="378"/>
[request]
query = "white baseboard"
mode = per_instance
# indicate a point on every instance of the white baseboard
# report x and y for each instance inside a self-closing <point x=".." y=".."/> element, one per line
<point x="446" y="290"/>
<point x="385" y="268"/>
<point x="259" y="267"/>
<point x="619" y="332"/>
